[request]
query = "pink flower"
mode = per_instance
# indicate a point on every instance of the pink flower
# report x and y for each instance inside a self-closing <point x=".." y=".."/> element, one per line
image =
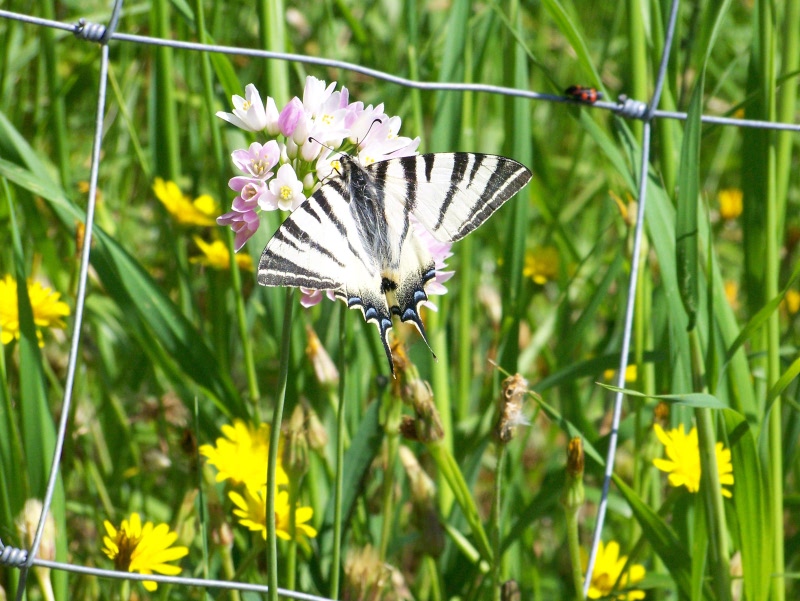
<point x="440" y="251"/>
<point x="285" y="190"/>
<point x="258" y="159"/>
<point x="291" y="115"/>
<point x="315" y="94"/>
<point x="360" y="120"/>
<point x="248" y="112"/>
<point x="244" y="225"/>
<point x="250" y="193"/>
<point x="310" y="297"/>
<point x="272" y="117"/>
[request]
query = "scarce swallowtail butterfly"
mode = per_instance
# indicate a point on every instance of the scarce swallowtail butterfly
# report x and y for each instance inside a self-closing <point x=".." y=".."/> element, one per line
<point x="354" y="235"/>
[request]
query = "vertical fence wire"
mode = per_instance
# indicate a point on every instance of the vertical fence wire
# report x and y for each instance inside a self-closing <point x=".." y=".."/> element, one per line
<point x="631" y="303"/>
<point x="80" y="300"/>
<point x="629" y="108"/>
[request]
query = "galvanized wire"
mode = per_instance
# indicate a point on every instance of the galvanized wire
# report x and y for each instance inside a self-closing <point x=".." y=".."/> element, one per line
<point x="630" y="307"/>
<point x="624" y="107"/>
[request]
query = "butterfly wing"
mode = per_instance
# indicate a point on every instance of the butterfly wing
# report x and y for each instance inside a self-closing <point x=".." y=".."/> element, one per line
<point x="355" y="235"/>
<point x="451" y="194"/>
<point x="323" y="245"/>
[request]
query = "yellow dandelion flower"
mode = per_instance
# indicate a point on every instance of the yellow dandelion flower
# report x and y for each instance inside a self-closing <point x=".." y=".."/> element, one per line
<point x="251" y="509"/>
<point x="683" y="465"/>
<point x="241" y="456"/>
<point x="202" y="211"/>
<point x="792" y="301"/>
<point x="730" y="203"/>
<point x="48" y="310"/>
<point x="541" y="264"/>
<point x="216" y="255"/>
<point x="144" y="548"/>
<point x="608" y="573"/>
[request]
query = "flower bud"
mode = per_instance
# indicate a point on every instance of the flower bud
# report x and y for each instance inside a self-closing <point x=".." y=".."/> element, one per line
<point x="428" y="424"/>
<point x="295" y="443"/>
<point x="573" y="496"/>
<point x="423" y="488"/>
<point x="324" y="369"/>
<point x="290" y="116"/>
<point x="27" y="522"/>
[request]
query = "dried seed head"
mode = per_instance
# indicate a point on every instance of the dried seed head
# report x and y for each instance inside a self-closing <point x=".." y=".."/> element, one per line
<point x="419" y="395"/>
<point x="509" y="408"/>
<point x="509" y="591"/>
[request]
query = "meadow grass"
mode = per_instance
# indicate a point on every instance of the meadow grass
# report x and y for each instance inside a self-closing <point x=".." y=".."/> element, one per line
<point x="174" y="349"/>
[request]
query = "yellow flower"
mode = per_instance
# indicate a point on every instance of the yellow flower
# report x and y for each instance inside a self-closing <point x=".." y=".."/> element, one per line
<point x="241" y="456"/>
<point x="541" y="264"/>
<point x="730" y="203"/>
<point x="143" y="548"/>
<point x="608" y="573"/>
<point x="252" y="513"/>
<point x="631" y="373"/>
<point x="732" y="293"/>
<point x="202" y="211"/>
<point x="48" y="311"/>
<point x="626" y="209"/>
<point x="216" y="255"/>
<point x="683" y="465"/>
<point x="792" y="301"/>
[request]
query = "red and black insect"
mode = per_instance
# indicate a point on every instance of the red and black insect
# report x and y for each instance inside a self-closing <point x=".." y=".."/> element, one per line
<point x="589" y="95"/>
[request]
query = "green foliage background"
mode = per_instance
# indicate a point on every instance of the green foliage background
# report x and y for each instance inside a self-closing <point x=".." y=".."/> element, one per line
<point x="162" y="334"/>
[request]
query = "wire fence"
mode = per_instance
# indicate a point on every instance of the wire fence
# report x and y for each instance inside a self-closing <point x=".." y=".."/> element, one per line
<point x="103" y="35"/>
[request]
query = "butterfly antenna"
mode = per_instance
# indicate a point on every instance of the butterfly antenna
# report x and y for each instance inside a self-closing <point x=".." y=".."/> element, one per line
<point x="366" y="135"/>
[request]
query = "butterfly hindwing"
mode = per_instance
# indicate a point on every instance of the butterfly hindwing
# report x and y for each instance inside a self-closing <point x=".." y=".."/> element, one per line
<point x="355" y="235"/>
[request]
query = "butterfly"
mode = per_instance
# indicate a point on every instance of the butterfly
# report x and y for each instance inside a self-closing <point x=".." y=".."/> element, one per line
<point x="355" y="234"/>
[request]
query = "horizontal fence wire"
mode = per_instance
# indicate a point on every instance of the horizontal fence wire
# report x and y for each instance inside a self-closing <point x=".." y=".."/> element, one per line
<point x="624" y="107"/>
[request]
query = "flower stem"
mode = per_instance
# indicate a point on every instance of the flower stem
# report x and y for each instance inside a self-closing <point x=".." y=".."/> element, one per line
<point x="710" y="485"/>
<point x="291" y="553"/>
<point x="275" y="435"/>
<point x="392" y="440"/>
<point x="497" y="522"/>
<point x="341" y="433"/>
<point x="573" y="542"/>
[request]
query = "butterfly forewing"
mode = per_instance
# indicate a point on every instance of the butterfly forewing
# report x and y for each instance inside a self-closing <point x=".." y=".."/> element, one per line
<point x="355" y="234"/>
<point x="452" y="193"/>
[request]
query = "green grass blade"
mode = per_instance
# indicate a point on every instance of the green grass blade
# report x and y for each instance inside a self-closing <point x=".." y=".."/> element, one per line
<point x="662" y="538"/>
<point x="686" y="245"/>
<point x="692" y="399"/>
<point x="752" y="507"/>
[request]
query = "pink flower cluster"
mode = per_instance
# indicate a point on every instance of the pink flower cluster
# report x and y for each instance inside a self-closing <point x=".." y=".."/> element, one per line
<point x="303" y="142"/>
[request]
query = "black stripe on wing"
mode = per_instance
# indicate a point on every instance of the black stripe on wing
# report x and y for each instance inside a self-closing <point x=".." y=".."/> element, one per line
<point x="508" y="178"/>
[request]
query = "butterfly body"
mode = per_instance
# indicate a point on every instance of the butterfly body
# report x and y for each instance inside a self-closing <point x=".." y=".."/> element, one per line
<point x="355" y="235"/>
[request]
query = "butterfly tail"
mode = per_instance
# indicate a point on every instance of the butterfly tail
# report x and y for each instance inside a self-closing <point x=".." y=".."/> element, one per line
<point x="375" y="311"/>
